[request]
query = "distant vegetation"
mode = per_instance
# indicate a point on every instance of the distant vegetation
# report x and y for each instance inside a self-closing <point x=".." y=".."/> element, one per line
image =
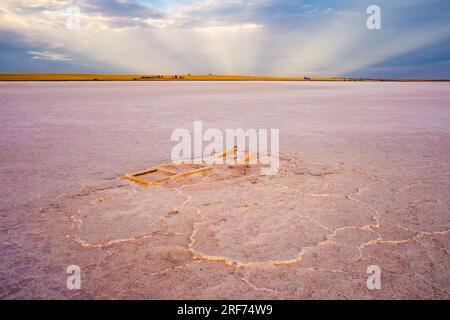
<point x="158" y="77"/>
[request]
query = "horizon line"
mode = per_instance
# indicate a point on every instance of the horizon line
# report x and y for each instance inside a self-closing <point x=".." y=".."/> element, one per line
<point x="185" y="77"/>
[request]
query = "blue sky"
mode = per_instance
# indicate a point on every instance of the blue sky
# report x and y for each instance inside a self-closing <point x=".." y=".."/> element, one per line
<point x="249" y="37"/>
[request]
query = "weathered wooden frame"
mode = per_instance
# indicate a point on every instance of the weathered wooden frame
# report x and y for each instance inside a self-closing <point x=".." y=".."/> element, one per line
<point x="168" y="169"/>
<point x="165" y="170"/>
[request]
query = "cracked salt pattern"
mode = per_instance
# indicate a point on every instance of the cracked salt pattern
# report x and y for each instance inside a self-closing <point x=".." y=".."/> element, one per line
<point x="364" y="180"/>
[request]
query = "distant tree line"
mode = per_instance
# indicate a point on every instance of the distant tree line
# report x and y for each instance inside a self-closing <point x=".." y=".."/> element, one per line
<point x="158" y="76"/>
<point x="153" y="77"/>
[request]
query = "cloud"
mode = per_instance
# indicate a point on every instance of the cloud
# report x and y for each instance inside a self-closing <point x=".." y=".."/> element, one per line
<point x="276" y="37"/>
<point x="36" y="55"/>
<point x="122" y="8"/>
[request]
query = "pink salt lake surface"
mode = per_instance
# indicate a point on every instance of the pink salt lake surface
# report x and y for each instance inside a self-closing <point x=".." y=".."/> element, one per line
<point x="364" y="180"/>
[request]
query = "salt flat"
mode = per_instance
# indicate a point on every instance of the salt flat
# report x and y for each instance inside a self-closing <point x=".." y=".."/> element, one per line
<point x="364" y="180"/>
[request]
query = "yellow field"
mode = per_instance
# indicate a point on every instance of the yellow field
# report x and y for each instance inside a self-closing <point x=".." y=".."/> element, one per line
<point x="130" y="77"/>
<point x="184" y="77"/>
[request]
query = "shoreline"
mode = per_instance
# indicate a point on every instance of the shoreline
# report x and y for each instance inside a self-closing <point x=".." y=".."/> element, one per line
<point x="10" y="77"/>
